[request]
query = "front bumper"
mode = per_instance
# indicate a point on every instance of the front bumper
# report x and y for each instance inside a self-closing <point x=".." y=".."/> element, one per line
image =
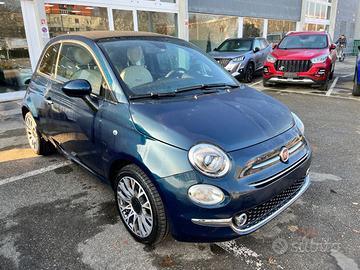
<point x="317" y="74"/>
<point x="229" y="222"/>
<point x="249" y="194"/>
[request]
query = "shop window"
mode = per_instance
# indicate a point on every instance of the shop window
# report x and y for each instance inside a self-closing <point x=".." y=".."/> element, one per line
<point x="15" y="67"/>
<point x="158" y="22"/>
<point x="209" y="31"/>
<point x="63" y="18"/>
<point x="253" y="27"/>
<point x="278" y="28"/>
<point x="123" y="20"/>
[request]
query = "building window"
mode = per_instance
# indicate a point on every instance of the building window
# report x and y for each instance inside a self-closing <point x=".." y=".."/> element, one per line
<point x="209" y="31"/>
<point x="158" y="22"/>
<point x="15" y="67"/>
<point x="253" y="27"/>
<point x="278" y="28"/>
<point x="67" y="18"/>
<point x="123" y="20"/>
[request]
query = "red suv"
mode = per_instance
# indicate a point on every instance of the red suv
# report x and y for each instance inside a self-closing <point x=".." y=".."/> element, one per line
<point x="301" y="58"/>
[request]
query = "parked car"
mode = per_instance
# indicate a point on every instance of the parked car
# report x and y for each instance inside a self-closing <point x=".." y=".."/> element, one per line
<point x="356" y="88"/>
<point x="302" y="58"/>
<point x="185" y="147"/>
<point x="242" y="57"/>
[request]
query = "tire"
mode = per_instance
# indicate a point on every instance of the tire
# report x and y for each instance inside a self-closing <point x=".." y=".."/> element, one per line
<point x="36" y="141"/>
<point x="356" y="88"/>
<point x="249" y="73"/>
<point x="325" y="85"/>
<point x="331" y="76"/>
<point x="265" y="83"/>
<point x="137" y="197"/>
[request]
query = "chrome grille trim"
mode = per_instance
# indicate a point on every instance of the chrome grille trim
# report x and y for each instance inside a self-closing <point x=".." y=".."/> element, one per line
<point x="271" y="157"/>
<point x="263" y="182"/>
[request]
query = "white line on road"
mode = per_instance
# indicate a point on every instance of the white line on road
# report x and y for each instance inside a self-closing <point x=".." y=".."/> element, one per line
<point x="34" y="172"/>
<point x="348" y="75"/>
<point x="331" y="89"/>
<point x="256" y="83"/>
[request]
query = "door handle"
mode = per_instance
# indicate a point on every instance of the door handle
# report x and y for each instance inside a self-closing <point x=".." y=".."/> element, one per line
<point x="49" y="101"/>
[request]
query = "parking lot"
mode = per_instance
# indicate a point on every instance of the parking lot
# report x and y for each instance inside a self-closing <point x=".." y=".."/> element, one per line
<point x="55" y="215"/>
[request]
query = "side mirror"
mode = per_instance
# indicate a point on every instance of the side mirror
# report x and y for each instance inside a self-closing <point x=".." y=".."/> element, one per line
<point x="257" y="49"/>
<point x="274" y="46"/>
<point x="359" y="48"/>
<point x="333" y="46"/>
<point x="216" y="49"/>
<point x="77" y="88"/>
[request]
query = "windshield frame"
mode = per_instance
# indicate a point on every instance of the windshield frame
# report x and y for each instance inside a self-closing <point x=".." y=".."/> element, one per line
<point x="301" y="48"/>
<point x="125" y="89"/>
<point x="235" y="39"/>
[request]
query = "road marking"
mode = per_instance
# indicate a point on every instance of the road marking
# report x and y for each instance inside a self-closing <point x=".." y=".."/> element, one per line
<point x="331" y="89"/>
<point x="344" y="76"/>
<point x="256" y="83"/>
<point x="34" y="172"/>
<point x="16" y="154"/>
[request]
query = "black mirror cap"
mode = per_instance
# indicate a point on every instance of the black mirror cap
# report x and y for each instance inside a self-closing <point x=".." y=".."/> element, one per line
<point x="77" y="88"/>
<point x="257" y="49"/>
<point x="359" y="48"/>
<point x="216" y="49"/>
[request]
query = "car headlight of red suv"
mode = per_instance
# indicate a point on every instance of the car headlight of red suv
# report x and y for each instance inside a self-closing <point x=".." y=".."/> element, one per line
<point x="320" y="59"/>
<point x="271" y="59"/>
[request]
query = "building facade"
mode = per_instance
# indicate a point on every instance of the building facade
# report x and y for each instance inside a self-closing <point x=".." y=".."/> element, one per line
<point x="28" y="24"/>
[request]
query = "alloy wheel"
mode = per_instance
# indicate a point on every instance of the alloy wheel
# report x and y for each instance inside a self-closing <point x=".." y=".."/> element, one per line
<point x="135" y="207"/>
<point x="31" y="132"/>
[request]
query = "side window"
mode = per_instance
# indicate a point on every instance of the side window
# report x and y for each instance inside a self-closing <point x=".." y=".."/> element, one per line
<point x="48" y="62"/>
<point x="257" y="44"/>
<point x="264" y="44"/>
<point x="75" y="62"/>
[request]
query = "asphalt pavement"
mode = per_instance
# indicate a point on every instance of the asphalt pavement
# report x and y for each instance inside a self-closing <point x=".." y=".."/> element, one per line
<point x="55" y="215"/>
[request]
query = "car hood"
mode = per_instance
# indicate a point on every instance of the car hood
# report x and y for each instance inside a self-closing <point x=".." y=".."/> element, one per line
<point x="217" y="54"/>
<point x="298" y="54"/>
<point x="231" y="120"/>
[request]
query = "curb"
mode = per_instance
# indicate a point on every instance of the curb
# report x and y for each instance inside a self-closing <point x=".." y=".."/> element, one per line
<point x="12" y="96"/>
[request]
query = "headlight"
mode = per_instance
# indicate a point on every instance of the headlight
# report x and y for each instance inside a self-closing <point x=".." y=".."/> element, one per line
<point x="299" y="123"/>
<point x="319" y="59"/>
<point x="239" y="59"/>
<point x="205" y="194"/>
<point x="271" y="59"/>
<point x="209" y="160"/>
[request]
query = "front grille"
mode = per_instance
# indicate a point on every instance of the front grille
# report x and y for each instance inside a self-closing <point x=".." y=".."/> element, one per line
<point x="293" y="65"/>
<point x="223" y="61"/>
<point x="260" y="212"/>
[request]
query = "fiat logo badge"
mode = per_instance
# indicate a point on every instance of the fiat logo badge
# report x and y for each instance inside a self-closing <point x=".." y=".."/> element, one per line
<point x="284" y="154"/>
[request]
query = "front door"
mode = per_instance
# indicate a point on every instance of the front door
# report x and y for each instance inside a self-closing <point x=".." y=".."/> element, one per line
<point x="74" y="124"/>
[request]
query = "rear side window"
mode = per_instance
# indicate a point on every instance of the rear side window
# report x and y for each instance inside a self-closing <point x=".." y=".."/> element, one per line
<point x="48" y="62"/>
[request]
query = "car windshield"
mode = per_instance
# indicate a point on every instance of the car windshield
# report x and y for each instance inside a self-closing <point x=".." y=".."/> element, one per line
<point x="304" y="42"/>
<point x="235" y="45"/>
<point x="158" y="66"/>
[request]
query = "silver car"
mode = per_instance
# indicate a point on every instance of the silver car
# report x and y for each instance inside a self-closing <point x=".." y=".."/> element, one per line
<point x="242" y="57"/>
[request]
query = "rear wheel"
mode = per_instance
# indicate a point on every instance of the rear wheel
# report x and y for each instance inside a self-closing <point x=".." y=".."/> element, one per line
<point x="249" y="73"/>
<point x="356" y="88"/>
<point x="36" y="141"/>
<point x="140" y="206"/>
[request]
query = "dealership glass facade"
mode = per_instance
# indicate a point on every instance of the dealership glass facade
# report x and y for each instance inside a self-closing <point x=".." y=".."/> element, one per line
<point x="63" y="19"/>
<point x="253" y="27"/>
<point x="15" y="69"/>
<point x="123" y="20"/>
<point x="208" y="31"/>
<point x="158" y="22"/>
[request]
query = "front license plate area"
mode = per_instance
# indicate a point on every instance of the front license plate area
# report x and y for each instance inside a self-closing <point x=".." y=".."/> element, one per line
<point x="290" y="75"/>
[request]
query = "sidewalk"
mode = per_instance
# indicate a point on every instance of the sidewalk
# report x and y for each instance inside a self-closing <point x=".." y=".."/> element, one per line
<point x="11" y="96"/>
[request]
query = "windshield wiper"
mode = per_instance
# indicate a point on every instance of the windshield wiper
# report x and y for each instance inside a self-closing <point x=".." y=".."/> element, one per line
<point x="205" y="87"/>
<point x="152" y="95"/>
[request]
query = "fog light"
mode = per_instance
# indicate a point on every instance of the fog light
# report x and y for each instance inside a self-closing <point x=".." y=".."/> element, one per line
<point x="266" y="70"/>
<point x="240" y="220"/>
<point x="205" y="194"/>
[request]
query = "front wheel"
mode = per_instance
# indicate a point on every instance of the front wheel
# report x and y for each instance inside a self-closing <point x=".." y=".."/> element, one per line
<point x="36" y="141"/>
<point x="249" y="73"/>
<point x="356" y="88"/>
<point x="140" y="206"/>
